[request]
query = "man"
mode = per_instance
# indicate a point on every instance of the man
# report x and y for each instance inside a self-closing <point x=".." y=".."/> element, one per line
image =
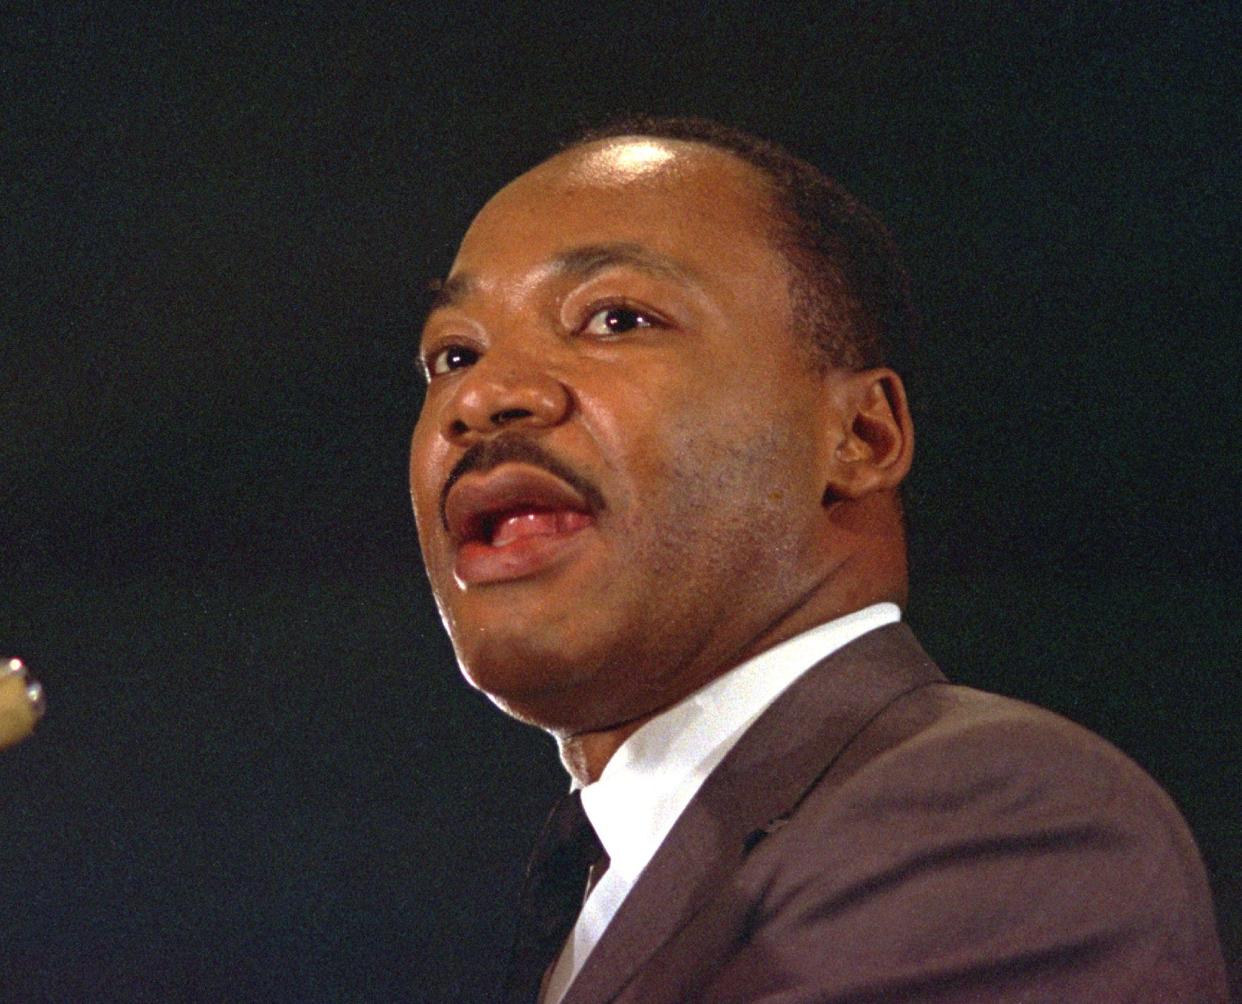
<point x="656" y="478"/>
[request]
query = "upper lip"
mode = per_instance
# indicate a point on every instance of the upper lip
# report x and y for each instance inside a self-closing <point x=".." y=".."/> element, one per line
<point x="477" y="501"/>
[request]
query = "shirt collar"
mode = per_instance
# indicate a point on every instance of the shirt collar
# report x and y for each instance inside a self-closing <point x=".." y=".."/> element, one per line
<point x="656" y="771"/>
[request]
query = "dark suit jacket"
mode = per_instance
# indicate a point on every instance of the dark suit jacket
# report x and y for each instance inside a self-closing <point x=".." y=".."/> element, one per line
<point x="882" y="835"/>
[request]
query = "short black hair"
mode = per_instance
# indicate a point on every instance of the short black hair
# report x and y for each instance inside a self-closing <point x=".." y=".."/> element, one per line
<point x="849" y="290"/>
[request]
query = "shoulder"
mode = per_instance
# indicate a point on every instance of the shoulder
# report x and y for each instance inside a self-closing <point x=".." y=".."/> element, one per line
<point x="973" y="776"/>
<point x="946" y="748"/>
<point x="970" y="833"/>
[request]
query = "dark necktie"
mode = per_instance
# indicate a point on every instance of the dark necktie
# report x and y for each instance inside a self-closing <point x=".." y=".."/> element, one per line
<point x="552" y="895"/>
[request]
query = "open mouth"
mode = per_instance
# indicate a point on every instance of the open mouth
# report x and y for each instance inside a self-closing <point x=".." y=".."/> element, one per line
<point x="500" y="529"/>
<point x="512" y="522"/>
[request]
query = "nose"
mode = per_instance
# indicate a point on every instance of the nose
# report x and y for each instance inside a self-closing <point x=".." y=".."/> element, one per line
<point x="509" y="392"/>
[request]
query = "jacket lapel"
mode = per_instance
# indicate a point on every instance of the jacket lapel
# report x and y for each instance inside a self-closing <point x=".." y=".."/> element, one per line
<point x="758" y="784"/>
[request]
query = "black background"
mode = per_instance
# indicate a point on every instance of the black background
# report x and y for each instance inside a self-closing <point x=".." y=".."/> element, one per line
<point x="260" y="776"/>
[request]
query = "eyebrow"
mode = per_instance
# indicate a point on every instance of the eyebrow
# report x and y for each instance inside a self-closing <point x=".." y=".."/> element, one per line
<point x="579" y="263"/>
<point x="451" y="291"/>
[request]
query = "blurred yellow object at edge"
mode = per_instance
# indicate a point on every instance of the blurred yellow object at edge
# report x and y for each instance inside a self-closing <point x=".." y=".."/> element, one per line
<point x="21" y="702"/>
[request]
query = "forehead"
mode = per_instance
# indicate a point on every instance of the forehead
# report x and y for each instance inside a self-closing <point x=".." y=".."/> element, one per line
<point x="688" y="203"/>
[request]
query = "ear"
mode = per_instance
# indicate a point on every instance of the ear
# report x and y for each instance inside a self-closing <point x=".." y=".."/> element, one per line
<point x="873" y="435"/>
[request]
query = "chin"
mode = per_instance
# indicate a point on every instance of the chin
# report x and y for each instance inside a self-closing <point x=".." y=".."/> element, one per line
<point x="544" y="686"/>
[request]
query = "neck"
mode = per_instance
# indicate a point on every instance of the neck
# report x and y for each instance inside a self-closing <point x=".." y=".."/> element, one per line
<point x="873" y="570"/>
<point x="587" y="754"/>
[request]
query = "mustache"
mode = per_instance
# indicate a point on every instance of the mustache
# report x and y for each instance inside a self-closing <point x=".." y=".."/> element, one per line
<point x="486" y="455"/>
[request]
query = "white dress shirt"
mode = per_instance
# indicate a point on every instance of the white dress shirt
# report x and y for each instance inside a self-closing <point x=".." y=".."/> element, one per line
<point x="657" y="771"/>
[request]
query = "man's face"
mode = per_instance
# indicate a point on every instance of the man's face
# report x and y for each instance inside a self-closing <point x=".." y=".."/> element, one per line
<point x="613" y="368"/>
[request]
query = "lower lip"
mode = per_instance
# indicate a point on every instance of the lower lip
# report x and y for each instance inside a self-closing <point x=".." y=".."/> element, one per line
<point x="480" y="564"/>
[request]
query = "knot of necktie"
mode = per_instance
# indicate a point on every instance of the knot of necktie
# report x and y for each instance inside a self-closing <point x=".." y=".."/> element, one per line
<point x="552" y="895"/>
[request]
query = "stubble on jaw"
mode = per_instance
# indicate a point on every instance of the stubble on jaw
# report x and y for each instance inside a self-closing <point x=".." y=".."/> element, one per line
<point x="679" y="625"/>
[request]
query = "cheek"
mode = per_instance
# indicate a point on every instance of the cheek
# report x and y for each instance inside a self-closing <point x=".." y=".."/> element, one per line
<point x="692" y="468"/>
<point x="641" y="434"/>
<point x="426" y="476"/>
<point x="737" y="475"/>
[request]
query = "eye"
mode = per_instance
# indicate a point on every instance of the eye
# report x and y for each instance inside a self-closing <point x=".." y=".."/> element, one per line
<point x="449" y="358"/>
<point x="617" y="321"/>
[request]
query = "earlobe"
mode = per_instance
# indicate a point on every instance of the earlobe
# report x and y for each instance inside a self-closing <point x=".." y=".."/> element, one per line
<point x="875" y="446"/>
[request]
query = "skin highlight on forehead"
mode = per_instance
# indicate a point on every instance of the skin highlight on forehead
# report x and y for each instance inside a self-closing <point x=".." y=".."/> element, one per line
<point x="685" y="170"/>
<point x="621" y="160"/>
